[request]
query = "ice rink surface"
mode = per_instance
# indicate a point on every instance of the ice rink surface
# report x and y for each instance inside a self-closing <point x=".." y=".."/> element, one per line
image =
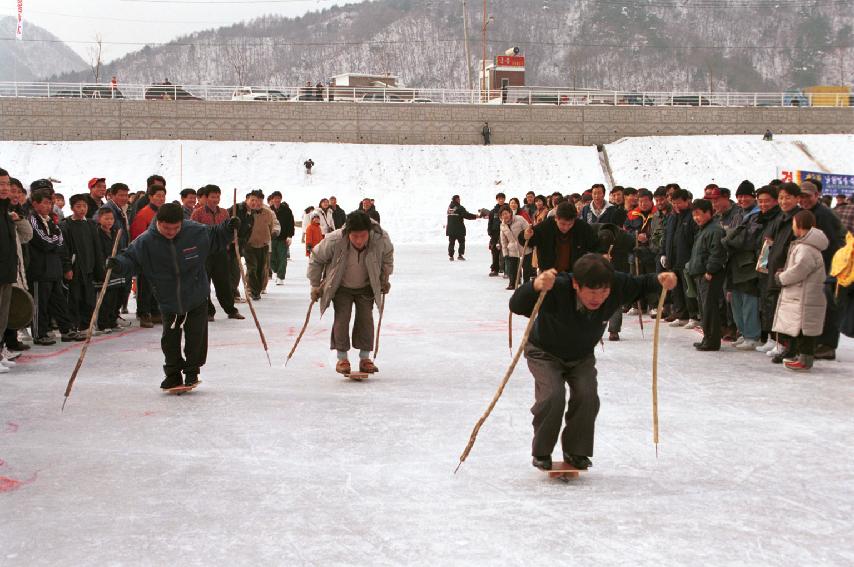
<point x="298" y="466"/>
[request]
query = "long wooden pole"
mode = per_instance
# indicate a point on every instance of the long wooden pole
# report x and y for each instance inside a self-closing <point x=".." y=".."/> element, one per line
<point x="92" y="322"/>
<point x="655" y="369"/>
<point x="302" y="332"/>
<point x="515" y="287"/>
<point x="504" y="381"/>
<point x="379" y="326"/>
<point x="246" y="287"/>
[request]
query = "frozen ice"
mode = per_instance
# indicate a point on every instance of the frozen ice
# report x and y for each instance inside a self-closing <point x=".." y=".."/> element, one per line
<point x="298" y="466"/>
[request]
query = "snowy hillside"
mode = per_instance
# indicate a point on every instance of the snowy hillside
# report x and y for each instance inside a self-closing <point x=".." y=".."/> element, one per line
<point x="42" y="55"/>
<point x="412" y="185"/>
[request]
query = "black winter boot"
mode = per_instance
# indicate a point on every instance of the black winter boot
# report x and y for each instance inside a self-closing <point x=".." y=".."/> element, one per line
<point x="543" y="463"/>
<point x="172" y="381"/>
<point x="578" y="461"/>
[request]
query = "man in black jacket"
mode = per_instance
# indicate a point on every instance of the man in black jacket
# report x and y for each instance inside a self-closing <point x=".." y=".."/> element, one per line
<point x="83" y="257"/>
<point x="282" y="242"/>
<point x="678" y="241"/>
<point x="561" y="241"/>
<point x="45" y="272"/>
<point x="456" y="229"/>
<point x="707" y="267"/>
<point x="339" y="217"/>
<point x="493" y="229"/>
<point x="8" y="254"/>
<point x="560" y="349"/>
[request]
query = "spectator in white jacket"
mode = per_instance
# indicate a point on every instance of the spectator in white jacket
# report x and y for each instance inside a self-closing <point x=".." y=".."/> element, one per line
<point x="511" y="227"/>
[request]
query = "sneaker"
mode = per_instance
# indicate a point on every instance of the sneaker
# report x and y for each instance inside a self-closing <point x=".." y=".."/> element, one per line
<point x="367" y="365"/>
<point x="802" y="364"/>
<point x="461" y="258"/>
<point x="280" y="281"/>
<point x="6" y="363"/>
<point x="738" y="341"/>
<point x="71" y="336"/>
<point x="632" y="311"/>
<point x="580" y="462"/>
<point x="692" y="324"/>
<point x="10" y="354"/>
<point x="679" y="322"/>
<point x="766" y="346"/>
<point x="124" y="323"/>
<point x="235" y="315"/>
<point x="746" y="344"/>
<point x="172" y="381"/>
<point x="493" y="274"/>
<point x="3" y="370"/>
<point x="343" y="367"/>
<point x="776" y="350"/>
<point x="106" y="331"/>
<point x="17" y="346"/>
<point x="451" y="258"/>
<point x="43" y="341"/>
<point x="543" y="463"/>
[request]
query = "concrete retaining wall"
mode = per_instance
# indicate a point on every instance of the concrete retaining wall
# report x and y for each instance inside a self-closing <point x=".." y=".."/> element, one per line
<point x="43" y="119"/>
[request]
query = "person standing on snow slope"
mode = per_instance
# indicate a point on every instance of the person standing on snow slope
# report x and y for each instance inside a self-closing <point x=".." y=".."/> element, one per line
<point x="559" y="351"/>
<point x="172" y="255"/>
<point x="456" y="228"/>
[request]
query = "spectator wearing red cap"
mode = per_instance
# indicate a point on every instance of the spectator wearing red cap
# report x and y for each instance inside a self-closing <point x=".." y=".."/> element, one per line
<point x="95" y="199"/>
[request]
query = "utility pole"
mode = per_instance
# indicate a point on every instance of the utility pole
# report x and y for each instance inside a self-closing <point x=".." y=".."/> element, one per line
<point x="466" y="40"/>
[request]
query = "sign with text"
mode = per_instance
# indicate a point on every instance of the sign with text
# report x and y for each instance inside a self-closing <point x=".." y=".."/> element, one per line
<point x="831" y="183"/>
<point x="510" y="61"/>
<point x="19" y="30"/>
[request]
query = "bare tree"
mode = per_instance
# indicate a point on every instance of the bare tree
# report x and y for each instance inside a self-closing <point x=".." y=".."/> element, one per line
<point x="238" y="58"/>
<point x="96" y="53"/>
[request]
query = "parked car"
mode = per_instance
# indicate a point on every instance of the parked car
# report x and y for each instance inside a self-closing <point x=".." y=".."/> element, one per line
<point x="381" y="97"/>
<point x="168" y="91"/>
<point x="420" y="99"/>
<point x="691" y="100"/>
<point x="89" y="91"/>
<point x="638" y="100"/>
<point x="254" y="93"/>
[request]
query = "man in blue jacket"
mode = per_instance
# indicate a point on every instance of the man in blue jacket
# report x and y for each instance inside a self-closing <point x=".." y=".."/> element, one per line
<point x="172" y="254"/>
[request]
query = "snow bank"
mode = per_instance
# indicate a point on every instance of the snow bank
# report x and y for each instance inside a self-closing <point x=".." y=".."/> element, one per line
<point x="695" y="161"/>
<point x="412" y="185"/>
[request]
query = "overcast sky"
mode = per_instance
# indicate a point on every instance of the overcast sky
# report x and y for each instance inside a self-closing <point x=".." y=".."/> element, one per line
<point x="123" y="23"/>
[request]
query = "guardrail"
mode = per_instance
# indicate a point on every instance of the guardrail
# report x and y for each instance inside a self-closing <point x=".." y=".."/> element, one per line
<point x="511" y="95"/>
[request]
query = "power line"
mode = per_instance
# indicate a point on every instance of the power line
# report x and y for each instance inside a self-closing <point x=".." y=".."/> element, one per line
<point x="250" y="44"/>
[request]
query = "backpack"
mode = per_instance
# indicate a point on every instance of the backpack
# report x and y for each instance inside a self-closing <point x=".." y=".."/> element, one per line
<point x="842" y="266"/>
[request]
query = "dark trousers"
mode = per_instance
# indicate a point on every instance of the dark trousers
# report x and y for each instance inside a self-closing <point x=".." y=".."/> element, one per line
<point x="50" y="304"/>
<point x="363" y="328"/>
<point x="279" y="258"/>
<point x="679" y="298"/>
<point x="146" y="303"/>
<point x="81" y="300"/>
<point x="551" y="376"/>
<point x="256" y="268"/>
<point x="511" y="267"/>
<point x="220" y="274"/>
<point x="710" y="294"/>
<point x="452" y="240"/>
<point x="234" y="270"/>
<point x="495" y="249"/>
<point x="528" y="271"/>
<point x="832" y="322"/>
<point x="615" y="323"/>
<point x="107" y="314"/>
<point x="803" y="345"/>
<point x="193" y="327"/>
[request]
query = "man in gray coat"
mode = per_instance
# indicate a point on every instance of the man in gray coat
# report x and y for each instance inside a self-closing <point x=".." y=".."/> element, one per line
<point x="350" y="266"/>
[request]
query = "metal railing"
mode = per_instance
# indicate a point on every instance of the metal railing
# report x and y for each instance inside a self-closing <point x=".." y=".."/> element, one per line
<point x="548" y="96"/>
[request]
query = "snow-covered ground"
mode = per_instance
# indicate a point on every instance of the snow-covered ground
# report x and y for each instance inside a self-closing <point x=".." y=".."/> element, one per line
<point x="412" y="185"/>
<point x="695" y="161"/>
<point x="297" y="466"/>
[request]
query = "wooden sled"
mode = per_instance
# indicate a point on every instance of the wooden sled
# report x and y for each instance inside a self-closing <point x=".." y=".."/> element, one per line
<point x="178" y="390"/>
<point x="357" y="376"/>
<point x="563" y="471"/>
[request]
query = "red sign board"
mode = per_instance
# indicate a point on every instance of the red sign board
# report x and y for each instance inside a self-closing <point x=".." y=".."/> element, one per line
<point x="510" y="61"/>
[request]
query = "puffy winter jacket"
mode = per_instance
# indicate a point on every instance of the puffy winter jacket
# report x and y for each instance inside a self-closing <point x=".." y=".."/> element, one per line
<point x="679" y="239"/>
<point x="582" y="240"/>
<point x="708" y="256"/>
<point x="802" y="303"/>
<point x="325" y="265"/>
<point x="510" y="246"/>
<point x="176" y="268"/>
<point x="457" y="214"/>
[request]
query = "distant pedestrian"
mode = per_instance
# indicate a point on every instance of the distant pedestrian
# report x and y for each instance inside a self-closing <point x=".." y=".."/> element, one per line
<point x="486" y="132"/>
<point x="309" y="163"/>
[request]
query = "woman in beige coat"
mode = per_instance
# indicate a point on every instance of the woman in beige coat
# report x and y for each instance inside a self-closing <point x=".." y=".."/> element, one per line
<point x="511" y="227"/>
<point x="801" y="306"/>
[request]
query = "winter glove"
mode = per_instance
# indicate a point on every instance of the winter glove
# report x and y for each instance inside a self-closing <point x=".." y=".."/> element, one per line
<point x="233" y="224"/>
<point x="385" y="287"/>
<point x="316" y="293"/>
<point x="112" y="264"/>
